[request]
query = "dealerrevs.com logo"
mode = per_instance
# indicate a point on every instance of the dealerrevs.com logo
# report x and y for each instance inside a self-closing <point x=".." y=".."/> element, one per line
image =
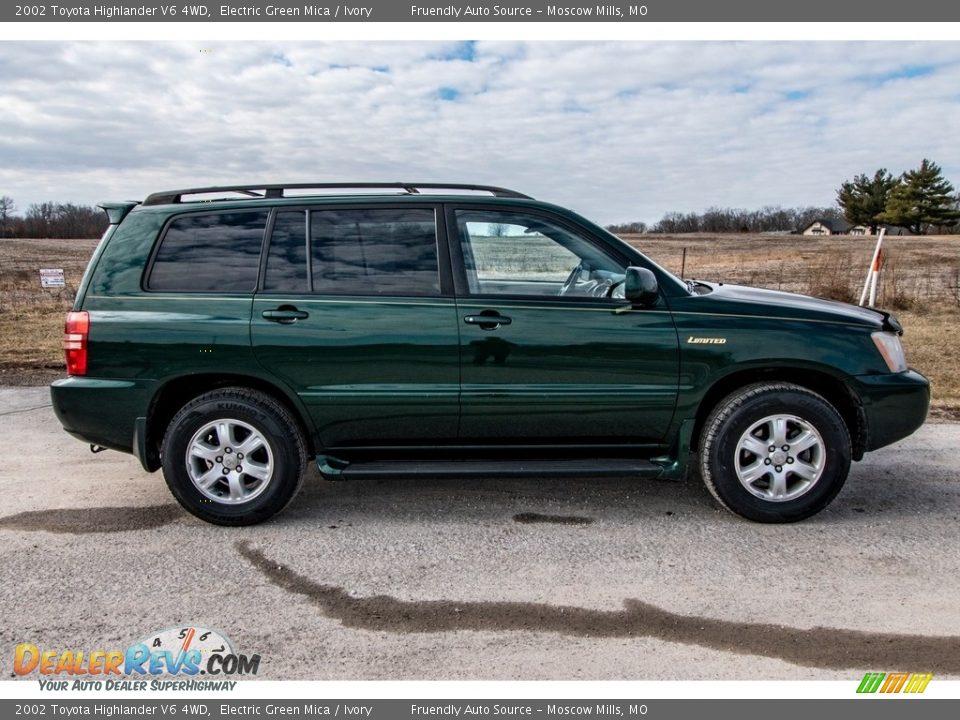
<point x="181" y="652"/>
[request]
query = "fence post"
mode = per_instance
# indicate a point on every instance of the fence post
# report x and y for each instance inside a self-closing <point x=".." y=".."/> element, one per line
<point x="874" y="267"/>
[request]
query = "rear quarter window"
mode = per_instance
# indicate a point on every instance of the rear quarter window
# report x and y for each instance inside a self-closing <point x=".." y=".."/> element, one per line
<point x="210" y="253"/>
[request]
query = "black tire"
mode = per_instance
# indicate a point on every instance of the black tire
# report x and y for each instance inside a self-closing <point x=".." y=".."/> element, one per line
<point x="758" y="406"/>
<point x="276" y="445"/>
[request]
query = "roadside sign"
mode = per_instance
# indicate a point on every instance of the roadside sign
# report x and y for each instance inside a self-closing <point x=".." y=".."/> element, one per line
<point x="52" y="278"/>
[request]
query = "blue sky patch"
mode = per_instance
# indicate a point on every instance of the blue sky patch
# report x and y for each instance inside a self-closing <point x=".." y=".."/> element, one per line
<point x="910" y="71"/>
<point x="572" y="106"/>
<point x="907" y="72"/>
<point x="461" y="51"/>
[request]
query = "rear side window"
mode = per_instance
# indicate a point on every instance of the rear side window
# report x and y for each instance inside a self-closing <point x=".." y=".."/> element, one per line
<point x="374" y="252"/>
<point x="218" y="252"/>
<point x="388" y="251"/>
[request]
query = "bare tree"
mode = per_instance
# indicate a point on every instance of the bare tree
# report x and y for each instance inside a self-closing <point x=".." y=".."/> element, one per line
<point x="57" y="220"/>
<point x="634" y="228"/>
<point x="6" y="210"/>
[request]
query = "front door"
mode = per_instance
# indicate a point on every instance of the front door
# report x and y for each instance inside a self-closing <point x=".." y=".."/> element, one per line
<point x="551" y="353"/>
<point x="352" y="316"/>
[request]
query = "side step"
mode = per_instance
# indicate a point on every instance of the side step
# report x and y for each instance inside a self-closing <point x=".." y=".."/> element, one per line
<point x="332" y="469"/>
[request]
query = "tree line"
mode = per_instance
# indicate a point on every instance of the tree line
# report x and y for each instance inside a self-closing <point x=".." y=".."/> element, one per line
<point x="733" y="220"/>
<point x="920" y="200"/>
<point x="51" y="220"/>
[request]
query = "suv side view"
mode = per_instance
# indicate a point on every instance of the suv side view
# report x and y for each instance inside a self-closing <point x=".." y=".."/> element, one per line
<point x="230" y="334"/>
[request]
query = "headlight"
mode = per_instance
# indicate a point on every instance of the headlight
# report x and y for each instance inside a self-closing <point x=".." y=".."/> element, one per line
<point x="888" y="344"/>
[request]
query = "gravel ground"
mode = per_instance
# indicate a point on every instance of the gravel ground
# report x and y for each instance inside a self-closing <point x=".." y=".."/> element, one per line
<point x="516" y="579"/>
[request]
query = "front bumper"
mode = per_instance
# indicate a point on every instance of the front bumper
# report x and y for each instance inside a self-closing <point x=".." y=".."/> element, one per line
<point x="894" y="405"/>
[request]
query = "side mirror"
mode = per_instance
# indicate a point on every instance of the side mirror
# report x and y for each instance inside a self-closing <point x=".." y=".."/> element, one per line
<point x="640" y="286"/>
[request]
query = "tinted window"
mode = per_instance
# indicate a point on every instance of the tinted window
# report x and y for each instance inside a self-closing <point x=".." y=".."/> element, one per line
<point x="374" y="252"/>
<point x="287" y="260"/>
<point x="210" y="253"/>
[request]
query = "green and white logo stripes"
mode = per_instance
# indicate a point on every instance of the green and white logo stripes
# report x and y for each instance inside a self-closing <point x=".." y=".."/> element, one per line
<point x="898" y="682"/>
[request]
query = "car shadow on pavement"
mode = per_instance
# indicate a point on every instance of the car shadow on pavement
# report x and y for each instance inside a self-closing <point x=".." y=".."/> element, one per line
<point x="820" y="647"/>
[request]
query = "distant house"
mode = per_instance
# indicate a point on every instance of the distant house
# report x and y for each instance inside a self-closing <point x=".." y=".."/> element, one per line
<point x="842" y="227"/>
<point x="832" y="227"/>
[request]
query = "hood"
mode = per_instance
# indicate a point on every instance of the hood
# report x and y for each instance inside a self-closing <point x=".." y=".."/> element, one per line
<point x="742" y="300"/>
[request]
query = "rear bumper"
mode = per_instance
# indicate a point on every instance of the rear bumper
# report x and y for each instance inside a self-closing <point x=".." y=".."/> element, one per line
<point x="894" y="405"/>
<point x="102" y="412"/>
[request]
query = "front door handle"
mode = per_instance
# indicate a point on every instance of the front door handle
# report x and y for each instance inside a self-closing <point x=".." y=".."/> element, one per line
<point x="285" y="314"/>
<point x="488" y="320"/>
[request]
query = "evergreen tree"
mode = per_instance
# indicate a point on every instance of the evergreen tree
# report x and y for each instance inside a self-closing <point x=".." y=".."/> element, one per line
<point x="865" y="199"/>
<point x="924" y="198"/>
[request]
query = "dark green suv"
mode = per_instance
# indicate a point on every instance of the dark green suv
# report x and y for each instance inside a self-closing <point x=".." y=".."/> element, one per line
<point x="229" y="334"/>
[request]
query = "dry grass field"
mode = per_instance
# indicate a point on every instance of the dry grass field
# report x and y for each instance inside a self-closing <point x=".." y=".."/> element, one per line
<point x="31" y="319"/>
<point x="919" y="283"/>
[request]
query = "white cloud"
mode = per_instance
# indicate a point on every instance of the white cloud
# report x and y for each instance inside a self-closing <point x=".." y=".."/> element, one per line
<point x="619" y="131"/>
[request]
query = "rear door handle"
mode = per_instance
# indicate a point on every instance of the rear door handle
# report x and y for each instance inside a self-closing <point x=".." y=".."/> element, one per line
<point x="487" y="320"/>
<point x="285" y="314"/>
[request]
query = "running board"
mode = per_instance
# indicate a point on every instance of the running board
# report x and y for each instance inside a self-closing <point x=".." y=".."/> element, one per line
<point x="333" y="469"/>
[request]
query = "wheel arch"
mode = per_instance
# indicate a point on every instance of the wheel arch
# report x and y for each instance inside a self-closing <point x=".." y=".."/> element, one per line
<point x="830" y="387"/>
<point x="177" y="392"/>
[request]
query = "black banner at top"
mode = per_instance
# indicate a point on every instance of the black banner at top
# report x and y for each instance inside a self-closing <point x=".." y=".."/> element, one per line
<point x="858" y="11"/>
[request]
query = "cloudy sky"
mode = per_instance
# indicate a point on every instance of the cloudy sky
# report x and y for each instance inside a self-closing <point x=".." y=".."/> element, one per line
<point x="618" y="131"/>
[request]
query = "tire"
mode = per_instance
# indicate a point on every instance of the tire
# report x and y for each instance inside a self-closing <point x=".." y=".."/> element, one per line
<point x="742" y="472"/>
<point x="204" y="460"/>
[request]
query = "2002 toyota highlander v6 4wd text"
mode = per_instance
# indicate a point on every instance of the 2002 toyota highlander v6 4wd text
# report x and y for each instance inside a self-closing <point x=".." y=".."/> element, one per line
<point x="229" y="334"/>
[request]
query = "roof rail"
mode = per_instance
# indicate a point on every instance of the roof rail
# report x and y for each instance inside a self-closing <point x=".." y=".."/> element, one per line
<point x="277" y="191"/>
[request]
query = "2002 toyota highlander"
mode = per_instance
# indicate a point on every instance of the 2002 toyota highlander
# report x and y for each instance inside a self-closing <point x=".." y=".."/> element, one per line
<point x="229" y="334"/>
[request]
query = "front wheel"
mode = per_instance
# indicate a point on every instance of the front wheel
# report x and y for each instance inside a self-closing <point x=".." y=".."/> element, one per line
<point x="233" y="457"/>
<point x="775" y="452"/>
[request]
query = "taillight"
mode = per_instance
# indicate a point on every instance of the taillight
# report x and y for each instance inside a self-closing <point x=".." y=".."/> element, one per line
<point x="75" y="333"/>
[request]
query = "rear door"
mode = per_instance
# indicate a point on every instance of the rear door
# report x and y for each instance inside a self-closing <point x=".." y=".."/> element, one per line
<point x="551" y="353"/>
<point x="354" y="314"/>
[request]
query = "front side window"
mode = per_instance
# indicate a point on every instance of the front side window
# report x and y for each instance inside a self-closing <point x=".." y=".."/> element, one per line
<point x="216" y="252"/>
<point x="514" y="253"/>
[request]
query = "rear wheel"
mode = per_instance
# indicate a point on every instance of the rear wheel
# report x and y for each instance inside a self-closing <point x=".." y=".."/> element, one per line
<point x="775" y="452"/>
<point x="233" y="457"/>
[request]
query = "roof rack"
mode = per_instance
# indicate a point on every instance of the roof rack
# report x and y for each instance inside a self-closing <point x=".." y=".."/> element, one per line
<point x="277" y="191"/>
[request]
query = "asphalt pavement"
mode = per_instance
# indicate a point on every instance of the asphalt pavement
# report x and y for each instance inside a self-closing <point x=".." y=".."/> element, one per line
<point x="507" y="579"/>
